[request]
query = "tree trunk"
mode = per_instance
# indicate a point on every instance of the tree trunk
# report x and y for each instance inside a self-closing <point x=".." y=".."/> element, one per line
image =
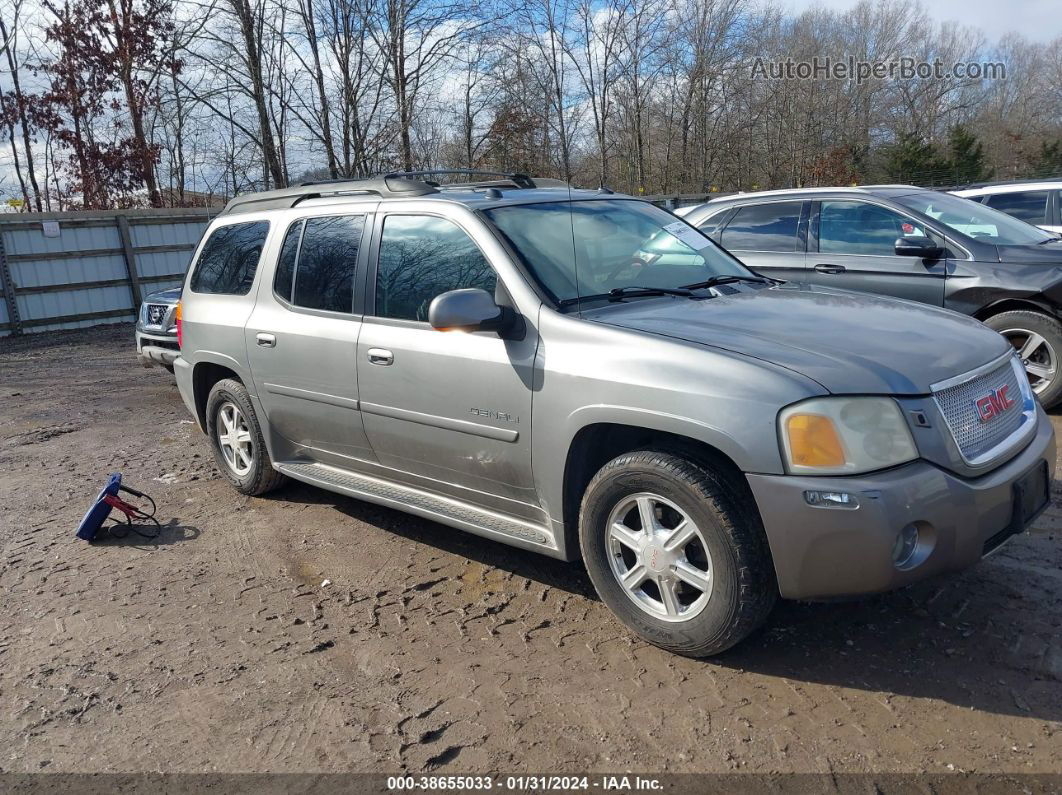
<point x="318" y="78"/>
<point x="271" y="166"/>
<point x="20" y="106"/>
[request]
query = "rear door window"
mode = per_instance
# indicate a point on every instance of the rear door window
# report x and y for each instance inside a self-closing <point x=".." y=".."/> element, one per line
<point x="1029" y="206"/>
<point x="229" y="259"/>
<point x="764" y="227"/>
<point x="318" y="261"/>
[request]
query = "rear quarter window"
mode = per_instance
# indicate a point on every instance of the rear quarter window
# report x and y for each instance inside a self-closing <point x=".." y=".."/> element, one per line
<point x="229" y="259"/>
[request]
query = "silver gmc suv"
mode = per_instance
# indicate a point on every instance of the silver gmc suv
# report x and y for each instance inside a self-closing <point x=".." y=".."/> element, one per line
<point x="585" y="375"/>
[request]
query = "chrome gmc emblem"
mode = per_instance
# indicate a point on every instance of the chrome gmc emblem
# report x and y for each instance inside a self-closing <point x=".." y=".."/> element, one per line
<point x="993" y="404"/>
<point x="156" y="313"/>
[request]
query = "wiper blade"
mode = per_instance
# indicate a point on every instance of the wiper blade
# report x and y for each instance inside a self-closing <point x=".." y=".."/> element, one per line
<point x="1050" y="240"/>
<point x="634" y="291"/>
<point x="726" y="279"/>
<point x="628" y="291"/>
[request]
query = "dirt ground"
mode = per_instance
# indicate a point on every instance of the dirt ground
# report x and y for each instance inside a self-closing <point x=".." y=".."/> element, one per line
<point x="218" y="647"/>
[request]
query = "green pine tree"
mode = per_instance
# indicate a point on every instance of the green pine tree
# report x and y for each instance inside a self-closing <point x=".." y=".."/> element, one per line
<point x="1048" y="162"/>
<point x="966" y="157"/>
<point x="912" y="159"/>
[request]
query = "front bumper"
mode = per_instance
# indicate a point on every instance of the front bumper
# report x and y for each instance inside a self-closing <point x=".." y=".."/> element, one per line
<point x="827" y="552"/>
<point x="152" y="349"/>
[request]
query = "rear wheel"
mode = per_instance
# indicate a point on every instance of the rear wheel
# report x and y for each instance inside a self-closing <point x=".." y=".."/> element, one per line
<point x="236" y="437"/>
<point x="1038" y="340"/>
<point x="676" y="552"/>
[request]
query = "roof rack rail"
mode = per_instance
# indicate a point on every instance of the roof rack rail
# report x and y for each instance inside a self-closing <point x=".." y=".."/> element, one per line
<point x="1001" y="183"/>
<point x="390" y="185"/>
<point x="516" y="178"/>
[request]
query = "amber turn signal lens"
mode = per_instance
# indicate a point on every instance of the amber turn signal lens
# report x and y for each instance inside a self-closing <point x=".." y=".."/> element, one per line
<point x="177" y="320"/>
<point x="813" y="441"/>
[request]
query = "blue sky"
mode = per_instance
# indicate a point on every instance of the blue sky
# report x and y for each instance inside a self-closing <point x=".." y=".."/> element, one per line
<point x="1038" y="20"/>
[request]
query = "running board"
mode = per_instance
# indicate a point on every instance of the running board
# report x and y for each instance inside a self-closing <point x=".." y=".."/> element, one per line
<point x="431" y="506"/>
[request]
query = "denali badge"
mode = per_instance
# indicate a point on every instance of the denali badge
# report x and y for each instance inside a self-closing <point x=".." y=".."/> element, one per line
<point x="993" y="404"/>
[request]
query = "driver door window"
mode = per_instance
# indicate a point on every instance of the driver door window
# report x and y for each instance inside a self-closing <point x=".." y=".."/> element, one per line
<point x="857" y="251"/>
<point x="861" y="228"/>
<point x="422" y="256"/>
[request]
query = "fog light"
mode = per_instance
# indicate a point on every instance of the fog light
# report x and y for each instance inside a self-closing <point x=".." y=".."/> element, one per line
<point x="906" y="545"/>
<point x="831" y="499"/>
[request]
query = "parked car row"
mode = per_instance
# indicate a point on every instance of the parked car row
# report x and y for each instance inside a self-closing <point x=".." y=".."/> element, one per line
<point x="587" y="376"/>
<point x="912" y="243"/>
<point x="1038" y="203"/>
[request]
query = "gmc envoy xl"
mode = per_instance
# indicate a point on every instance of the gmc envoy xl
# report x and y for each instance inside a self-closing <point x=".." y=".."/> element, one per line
<point x="584" y="375"/>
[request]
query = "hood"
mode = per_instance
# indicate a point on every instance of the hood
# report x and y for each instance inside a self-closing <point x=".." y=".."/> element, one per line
<point x="170" y="296"/>
<point x="1049" y="253"/>
<point x="851" y="343"/>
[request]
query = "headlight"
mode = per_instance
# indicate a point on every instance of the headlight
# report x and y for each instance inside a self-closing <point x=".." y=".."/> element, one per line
<point x="844" y="436"/>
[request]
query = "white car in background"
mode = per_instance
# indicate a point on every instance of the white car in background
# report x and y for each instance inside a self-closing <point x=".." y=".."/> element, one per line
<point x="1038" y="202"/>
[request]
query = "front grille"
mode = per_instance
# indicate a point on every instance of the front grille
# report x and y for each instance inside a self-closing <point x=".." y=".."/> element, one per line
<point x="156" y="313"/>
<point x="958" y="404"/>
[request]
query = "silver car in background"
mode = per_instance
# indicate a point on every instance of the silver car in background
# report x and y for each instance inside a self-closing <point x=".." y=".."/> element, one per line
<point x="156" y="329"/>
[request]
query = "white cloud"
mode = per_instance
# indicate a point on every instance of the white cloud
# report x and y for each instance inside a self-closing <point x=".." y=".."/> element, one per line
<point x="1038" y="20"/>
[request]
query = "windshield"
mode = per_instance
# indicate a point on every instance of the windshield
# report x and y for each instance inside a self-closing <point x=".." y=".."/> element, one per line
<point x="973" y="219"/>
<point x="587" y="248"/>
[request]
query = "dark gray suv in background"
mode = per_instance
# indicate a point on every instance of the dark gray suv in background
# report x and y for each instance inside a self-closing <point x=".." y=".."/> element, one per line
<point x="581" y="374"/>
<point x="911" y="243"/>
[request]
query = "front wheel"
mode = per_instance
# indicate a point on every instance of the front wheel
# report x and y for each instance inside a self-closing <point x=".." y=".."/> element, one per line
<point x="676" y="552"/>
<point x="1038" y="340"/>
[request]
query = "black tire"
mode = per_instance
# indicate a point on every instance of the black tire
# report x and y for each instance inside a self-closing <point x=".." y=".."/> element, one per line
<point x="744" y="589"/>
<point x="1025" y="322"/>
<point x="261" y="477"/>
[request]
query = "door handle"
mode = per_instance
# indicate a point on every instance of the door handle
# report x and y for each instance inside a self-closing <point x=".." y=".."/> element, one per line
<point x="381" y="356"/>
<point x="266" y="340"/>
<point x="827" y="268"/>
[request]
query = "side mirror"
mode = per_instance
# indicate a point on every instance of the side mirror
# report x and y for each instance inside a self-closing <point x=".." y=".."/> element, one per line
<point x="470" y="309"/>
<point x="918" y="246"/>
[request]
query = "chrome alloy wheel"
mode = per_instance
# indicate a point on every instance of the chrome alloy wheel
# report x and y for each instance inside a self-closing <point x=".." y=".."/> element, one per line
<point x="234" y="438"/>
<point x="1037" y="356"/>
<point x="659" y="557"/>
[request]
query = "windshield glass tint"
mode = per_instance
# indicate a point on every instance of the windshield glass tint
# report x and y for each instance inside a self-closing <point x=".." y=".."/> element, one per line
<point x="584" y="248"/>
<point x="973" y="219"/>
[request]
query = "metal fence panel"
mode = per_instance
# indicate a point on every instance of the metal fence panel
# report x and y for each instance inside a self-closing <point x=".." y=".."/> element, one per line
<point x="43" y="306"/>
<point x="45" y="272"/>
<point x="81" y="276"/>
<point x="71" y="238"/>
